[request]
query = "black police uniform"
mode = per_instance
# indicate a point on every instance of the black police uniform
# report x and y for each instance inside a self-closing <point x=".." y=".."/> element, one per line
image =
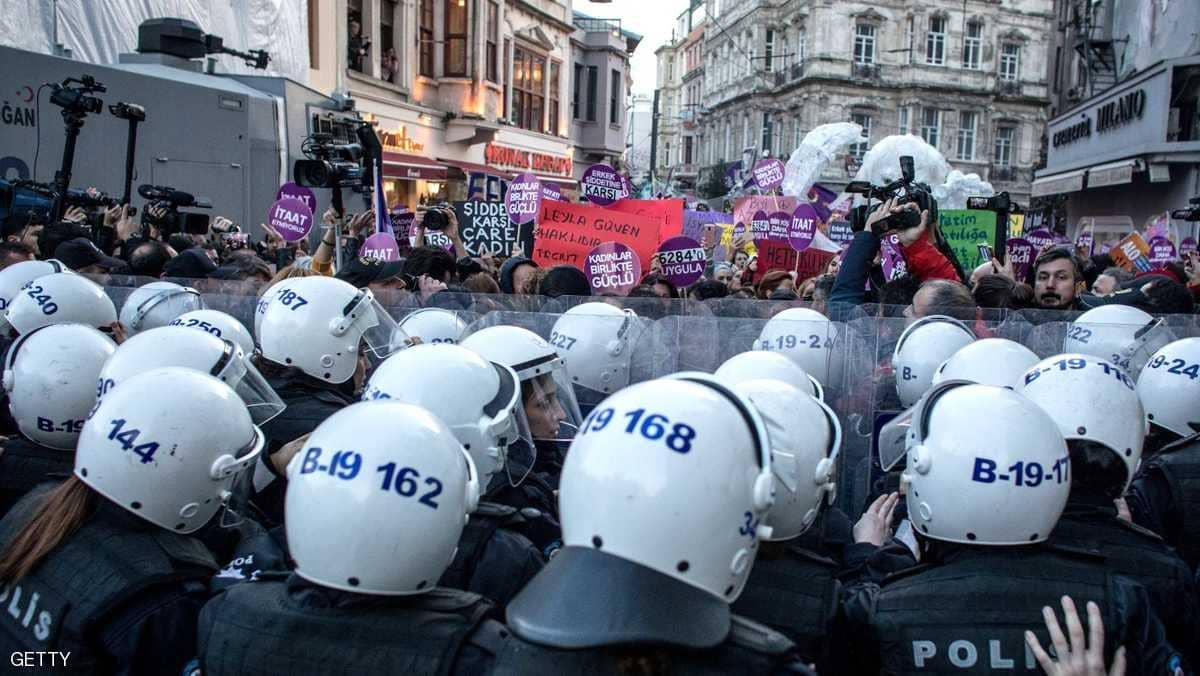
<point x="294" y="626"/>
<point x="968" y="609"/>
<point x="491" y="560"/>
<point x="536" y="501"/>
<point x="1165" y="497"/>
<point x="120" y="594"/>
<point x="1091" y="522"/>
<point x="795" y="592"/>
<point x="25" y="465"/>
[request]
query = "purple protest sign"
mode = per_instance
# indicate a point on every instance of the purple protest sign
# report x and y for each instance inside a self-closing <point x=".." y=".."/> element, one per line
<point x="524" y="198"/>
<point x="735" y="173"/>
<point x="381" y="245"/>
<point x="603" y="185"/>
<point x="291" y="218"/>
<point x="298" y="192"/>
<point x="682" y="260"/>
<point x="768" y="174"/>
<point x="401" y="222"/>
<point x="1162" y="251"/>
<point x="1188" y="244"/>
<point x="1020" y="256"/>
<point x="612" y="267"/>
<point x="1086" y="240"/>
<point x="551" y="191"/>
<point x="1108" y="245"/>
<point x="1039" y="238"/>
<point x="760" y="227"/>
<point x="803" y="227"/>
<point x="892" y="257"/>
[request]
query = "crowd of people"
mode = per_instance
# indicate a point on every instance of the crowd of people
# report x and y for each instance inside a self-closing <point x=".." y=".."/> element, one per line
<point x="236" y="457"/>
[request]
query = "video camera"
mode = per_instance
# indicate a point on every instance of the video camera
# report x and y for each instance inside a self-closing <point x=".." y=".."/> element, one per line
<point x="1191" y="214"/>
<point x="75" y="100"/>
<point x="174" y="220"/>
<point x="329" y="164"/>
<point x="905" y="189"/>
<point x="30" y="200"/>
<point x="998" y="202"/>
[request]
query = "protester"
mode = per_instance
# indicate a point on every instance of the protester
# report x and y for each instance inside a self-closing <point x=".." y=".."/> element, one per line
<point x="12" y="252"/>
<point x="1058" y="280"/>
<point x="775" y="279"/>
<point x="999" y="292"/>
<point x="1108" y="281"/>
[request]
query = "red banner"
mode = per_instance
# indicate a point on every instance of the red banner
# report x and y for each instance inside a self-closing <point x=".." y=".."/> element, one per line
<point x="566" y="232"/>
<point x="669" y="211"/>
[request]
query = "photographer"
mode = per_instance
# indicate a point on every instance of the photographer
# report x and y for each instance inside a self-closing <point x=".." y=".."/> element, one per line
<point x="322" y="260"/>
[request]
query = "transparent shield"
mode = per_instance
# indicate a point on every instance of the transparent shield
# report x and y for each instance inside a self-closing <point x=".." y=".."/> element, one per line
<point x="521" y="454"/>
<point x="237" y="477"/>
<point x="378" y="325"/>
<point x="551" y="407"/>
<point x="260" y="398"/>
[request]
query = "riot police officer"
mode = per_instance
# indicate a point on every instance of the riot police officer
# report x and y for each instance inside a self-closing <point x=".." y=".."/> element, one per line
<point x="60" y="298"/>
<point x="988" y="475"/>
<point x="372" y="522"/>
<point x="596" y="343"/>
<point x="1163" y="496"/>
<point x="50" y="382"/>
<point x="664" y="492"/>
<point x="1105" y="441"/>
<point x="316" y="339"/>
<point x="157" y="304"/>
<point x="105" y="566"/>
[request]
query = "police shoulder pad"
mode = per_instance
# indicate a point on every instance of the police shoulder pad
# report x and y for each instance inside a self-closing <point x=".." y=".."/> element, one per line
<point x="1075" y="551"/>
<point x="906" y="573"/>
<point x="746" y="633"/>
<point x="1140" y="530"/>
<point x="493" y="510"/>
<point x="812" y="557"/>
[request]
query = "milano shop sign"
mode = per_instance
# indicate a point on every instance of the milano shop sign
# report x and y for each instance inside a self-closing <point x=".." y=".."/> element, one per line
<point x="1112" y="126"/>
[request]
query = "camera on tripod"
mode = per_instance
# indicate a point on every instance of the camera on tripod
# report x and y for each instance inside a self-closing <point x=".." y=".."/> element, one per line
<point x="75" y="100"/>
<point x="329" y="164"/>
<point x="905" y="189"/>
<point x="174" y="220"/>
<point x="1191" y="214"/>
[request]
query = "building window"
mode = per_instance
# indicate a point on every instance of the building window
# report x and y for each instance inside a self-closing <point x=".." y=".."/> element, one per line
<point x="555" y="68"/>
<point x="902" y="122"/>
<point x="767" y="129"/>
<point x="389" y="60"/>
<point x="593" y="80"/>
<point x="1004" y="146"/>
<point x="666" y="158"/>
<point x="795" y="134"/>
<point x="728" y="141"/>
<point x="314" y="40"/>
<point x="528" y="101"/>
<point x="935" y="42"/>
<point x="1010" y="62"/>
<point x="455" y="58"/>
<point x="857" y="150"/>
<point x="425" y="38"/>
<point x="687" y="149"/>
<point x="802" y="46"/>
<point x="931" y="125"/>
<point x="966" y="135"/>
<point x="769" y="54"/>
<point x="577" y="91"/>
<point x="357" y="42"/>
<point x="973" y="45"/>
<point x="508" y="73"/>
<point x="614" y="98"/>
<point x="745" y="132"/>
<point x="864" y="43"/>
<point x="493" y="40"/>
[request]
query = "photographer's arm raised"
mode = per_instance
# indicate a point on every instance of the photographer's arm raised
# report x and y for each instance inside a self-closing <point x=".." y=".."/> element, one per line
<point x="924" y="260"/>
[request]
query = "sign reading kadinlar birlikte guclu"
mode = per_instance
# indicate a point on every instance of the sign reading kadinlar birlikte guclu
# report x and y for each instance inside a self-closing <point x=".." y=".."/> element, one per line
<point x="768" y="174"/>
<point x="524" y="198"/>
<point x="602" y="185"/>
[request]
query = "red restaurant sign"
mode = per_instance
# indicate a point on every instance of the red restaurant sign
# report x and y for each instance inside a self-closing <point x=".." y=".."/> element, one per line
<point x="498" y="155"/>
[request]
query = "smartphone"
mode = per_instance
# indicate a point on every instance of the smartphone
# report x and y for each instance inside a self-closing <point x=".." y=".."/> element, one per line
<point x="985" y="252"/>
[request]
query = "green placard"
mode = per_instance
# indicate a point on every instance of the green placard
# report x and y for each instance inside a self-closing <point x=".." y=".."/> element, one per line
<point x="964" y="229"/>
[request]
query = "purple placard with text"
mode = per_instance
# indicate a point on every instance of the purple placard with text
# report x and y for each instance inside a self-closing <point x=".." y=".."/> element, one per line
<point x="694" y="222"/>
<point x="402" y="222"/>
<point x="734" y="172"/>
<point x="1162" y="251"/>
<point x="1086" y="240"/>
<point x="299" y="192"/>
<point x="682" y="260"/>
<point x="291" y="218"/>
<point x="892" y="257"/>
<point x="602" y="185"/>
<point x="1039" y="238"/>
<point x="1188" y="244"/>
<point x="381" y="245"/>
<point x="524" y="198"/>
<point x="759" y="225"/>
<point x="612" y="267"/>
<point x="1020" y="256"/>
<point x="803" y="227"/>
<point x="768" y="174"/>
<point x="551" y="191"/>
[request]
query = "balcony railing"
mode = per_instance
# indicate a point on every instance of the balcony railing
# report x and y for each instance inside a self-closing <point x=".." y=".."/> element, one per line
<point x="1008" y="87"/>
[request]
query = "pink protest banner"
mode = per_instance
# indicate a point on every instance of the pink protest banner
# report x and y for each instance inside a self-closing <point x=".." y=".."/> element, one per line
<point x="567" y="231"/>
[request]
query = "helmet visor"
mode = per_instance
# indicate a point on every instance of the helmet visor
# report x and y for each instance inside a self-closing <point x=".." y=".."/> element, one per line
<point x="236" y="474"/>
<point x="236" y="370"/>
<point x="550" y="406"/>
<point x="377" y="324"/>
<point x="510" y="427"/>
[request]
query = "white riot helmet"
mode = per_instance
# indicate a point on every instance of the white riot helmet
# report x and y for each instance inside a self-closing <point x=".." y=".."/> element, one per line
<point x="156" y="304"/>
<point x="922" y="348"/>
<point x="1091" y="400"/>
<point x="384" y="518"/>
<point x="260" y="307"/>
<point x="18" y="275"/>
<point x="677" y="505"/>
<point x="60" y="298"/>
<point x="429" y="325"/>
<point x="544" y="378"/>
<point x="168" y="447"/>
<point x="479" y="400"/>
<point x="986" y="466"/>
<point x="805" y="440"/>
<point x="771" y="366"/>
<point x="805" y="336"/>
<point x="990" y="361"/>
<point x="197" y="350"/>
<point x="50" y="377"/>
<point x="595" y="342"/>
<point x="218" y="324"/>
<point x="1122" y="335"/>
<point x="1170" y="387"/>
<point x="317" y="324"/>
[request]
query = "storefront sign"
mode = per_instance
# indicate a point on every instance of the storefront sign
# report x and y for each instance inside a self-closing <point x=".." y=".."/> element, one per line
<point x="682" y="260"/>
<point x="1122" y="110"/>
<point x="396" y="138"/>
<point x="612" y="268"/>
<point x="1112" y="126"/>
<point x="504" y="156"/>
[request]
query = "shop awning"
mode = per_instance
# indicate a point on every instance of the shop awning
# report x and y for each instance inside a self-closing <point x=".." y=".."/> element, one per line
<point x="1114" y="173"/>
<point x="1070" y="181"/>
<point x="564" y="181"/>
<point x="400" y="165"/>
<point x="472" y="168"/>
